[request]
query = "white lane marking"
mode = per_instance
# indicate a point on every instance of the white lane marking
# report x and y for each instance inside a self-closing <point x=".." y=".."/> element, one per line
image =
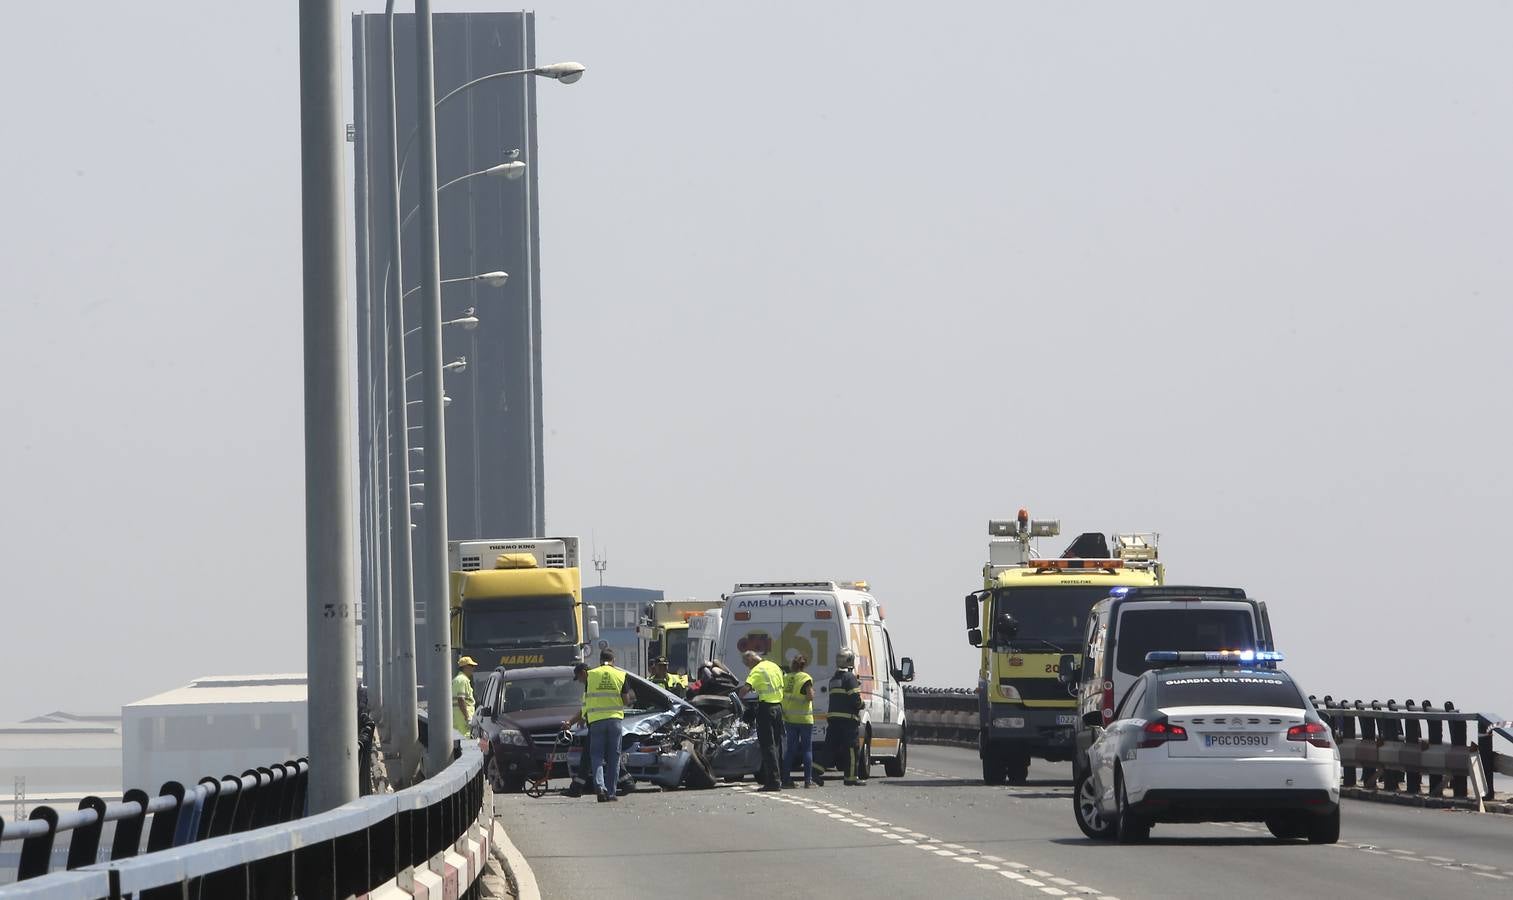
<point x="957" y="852"/>
<point x="1440" y="858"/>
<point x="1490" y="875"/>
<point x="1482" y="867"/>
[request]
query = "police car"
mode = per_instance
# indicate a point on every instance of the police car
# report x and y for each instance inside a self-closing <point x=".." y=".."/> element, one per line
<point x="1212" y="736"/>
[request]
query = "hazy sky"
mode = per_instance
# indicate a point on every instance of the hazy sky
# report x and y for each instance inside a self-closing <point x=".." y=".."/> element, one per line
<point x="826" y="287"/>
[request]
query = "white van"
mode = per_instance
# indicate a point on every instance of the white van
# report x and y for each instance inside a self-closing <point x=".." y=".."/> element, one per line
<point x="780" y="620"/>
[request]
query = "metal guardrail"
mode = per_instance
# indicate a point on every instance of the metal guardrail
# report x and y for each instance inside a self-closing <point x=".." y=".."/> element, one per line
<point x="1394" y="749"/>
<point x="1383" y="746"/>
<point x="214" y="807"/>
<point x="347" y="851"/>
<point x="942" y="715"/>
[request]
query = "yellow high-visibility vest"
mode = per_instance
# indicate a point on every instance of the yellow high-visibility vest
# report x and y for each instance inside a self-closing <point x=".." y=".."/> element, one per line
<point x="767" y="680"/>
<point x="603" y="698"/>
<point x="797" y="708"/>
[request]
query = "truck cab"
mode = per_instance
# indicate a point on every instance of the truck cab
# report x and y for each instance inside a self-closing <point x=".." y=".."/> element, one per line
<point x="519" y="603"/>
<point x="1028" y="623"/>
<point x="665" y="625"/>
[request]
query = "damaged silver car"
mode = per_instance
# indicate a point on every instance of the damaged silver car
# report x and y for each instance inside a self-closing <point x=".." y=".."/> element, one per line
<point x="672" y="742"/>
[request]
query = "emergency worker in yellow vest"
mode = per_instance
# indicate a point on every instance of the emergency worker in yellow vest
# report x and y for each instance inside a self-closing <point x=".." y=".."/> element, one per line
<point x="604" y="705"/>
<point x="765" y="681"/>
<point x="798" y="721"/>
<point x="843" y="720"/>
<point x="668" y="681"/>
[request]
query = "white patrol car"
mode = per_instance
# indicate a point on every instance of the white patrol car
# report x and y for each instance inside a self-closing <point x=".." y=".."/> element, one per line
<point x="780" y="620"/>
<point x="1214" y="736"/>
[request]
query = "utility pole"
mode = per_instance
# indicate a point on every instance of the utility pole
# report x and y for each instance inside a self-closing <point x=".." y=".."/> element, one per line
<point x="438" y="623"/>
<point x="331" y="656"/>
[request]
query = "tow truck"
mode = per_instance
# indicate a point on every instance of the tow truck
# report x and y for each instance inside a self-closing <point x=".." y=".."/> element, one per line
<point x="1029" y="623"/>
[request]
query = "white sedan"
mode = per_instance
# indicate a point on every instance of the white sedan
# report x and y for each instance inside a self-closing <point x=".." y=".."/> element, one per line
<point x="1211" y="743"/>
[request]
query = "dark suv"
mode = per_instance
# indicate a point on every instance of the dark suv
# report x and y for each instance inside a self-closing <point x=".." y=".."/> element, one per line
<point x="520" y="714"/>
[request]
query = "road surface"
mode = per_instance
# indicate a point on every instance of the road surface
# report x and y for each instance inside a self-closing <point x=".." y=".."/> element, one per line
<point x="939" y="832"/>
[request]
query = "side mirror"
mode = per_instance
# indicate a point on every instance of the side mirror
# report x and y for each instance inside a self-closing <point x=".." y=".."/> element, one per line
<point x="591" y="631"/>
<point x="485" y="712"/>
<point x="974" y="637"/>
<point x="1066" y="669"/>
<point x="1093" y="719"/>
<point x="905" y="669"/>
<point x="972" y="620"/>
<point x="654" y="650"/>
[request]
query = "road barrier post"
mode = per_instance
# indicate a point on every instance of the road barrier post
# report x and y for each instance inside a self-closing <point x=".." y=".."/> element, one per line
<point x="1457" y="739"/>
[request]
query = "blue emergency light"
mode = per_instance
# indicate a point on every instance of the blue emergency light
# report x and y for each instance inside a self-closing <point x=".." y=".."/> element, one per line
<point x="1193" y="657"/>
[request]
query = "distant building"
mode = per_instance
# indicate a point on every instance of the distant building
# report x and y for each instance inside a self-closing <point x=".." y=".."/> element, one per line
<point x="218" y="725"/>
<point x="55" y="760"/>
<point x="619" y="611"/>
<point x="59" y="757"/>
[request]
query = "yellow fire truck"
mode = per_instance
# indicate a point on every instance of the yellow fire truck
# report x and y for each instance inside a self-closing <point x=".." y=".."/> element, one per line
<point x="1029" y="622"/>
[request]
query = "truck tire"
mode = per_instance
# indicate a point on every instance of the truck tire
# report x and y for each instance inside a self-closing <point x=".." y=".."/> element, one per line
<point x="1017" y="768"/>
<point x="993" y="769"/>
<point x="898" y="765"/>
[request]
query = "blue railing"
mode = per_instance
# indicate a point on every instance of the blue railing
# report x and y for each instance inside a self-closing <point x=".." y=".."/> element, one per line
<point x="214" y="807"/>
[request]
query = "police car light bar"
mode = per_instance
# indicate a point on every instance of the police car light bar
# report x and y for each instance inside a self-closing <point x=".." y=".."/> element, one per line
<point x="1193" y="657"/>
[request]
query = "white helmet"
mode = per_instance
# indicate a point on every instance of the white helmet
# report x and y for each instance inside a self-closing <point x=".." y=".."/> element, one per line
<point x="845" y="659"/>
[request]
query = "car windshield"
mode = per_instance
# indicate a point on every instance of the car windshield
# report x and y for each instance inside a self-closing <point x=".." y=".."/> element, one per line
<point x="542" y="692"/>
<point x="1144" y="630"/>
<point x="677" y="650"/>
<point x="1241" y="687"/>
<point x="1052" y="619"/>
<point x="518" y="622"/>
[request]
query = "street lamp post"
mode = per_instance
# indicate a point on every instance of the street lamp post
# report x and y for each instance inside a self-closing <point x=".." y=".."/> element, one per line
<point x="331" y="706"/>
<point x="439" y="658"/>
<point x="402" y="715"/>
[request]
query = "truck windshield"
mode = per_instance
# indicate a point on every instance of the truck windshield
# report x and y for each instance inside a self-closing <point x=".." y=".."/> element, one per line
<point x="1051" y="619"/>
<point x="519" y="622"/>
<point x="677" y="650"/>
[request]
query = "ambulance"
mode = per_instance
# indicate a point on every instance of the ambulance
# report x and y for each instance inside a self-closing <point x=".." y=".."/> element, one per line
<point x="818" y="619"/>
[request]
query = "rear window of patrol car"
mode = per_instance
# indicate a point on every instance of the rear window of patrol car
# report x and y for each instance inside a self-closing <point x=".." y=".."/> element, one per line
<point x="1233" y="688"/>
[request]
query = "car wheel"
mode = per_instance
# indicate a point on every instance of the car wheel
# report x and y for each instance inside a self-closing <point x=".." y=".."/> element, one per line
<point x="1133" y="828"/>
<point x="1085" y="803"/>
<point x="895" y="767"/>
<point x="1018" y="769"/>
<point x="864" y="764"/>
<point x="1286" y="827"/>
<point x="1324" y="829"/>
